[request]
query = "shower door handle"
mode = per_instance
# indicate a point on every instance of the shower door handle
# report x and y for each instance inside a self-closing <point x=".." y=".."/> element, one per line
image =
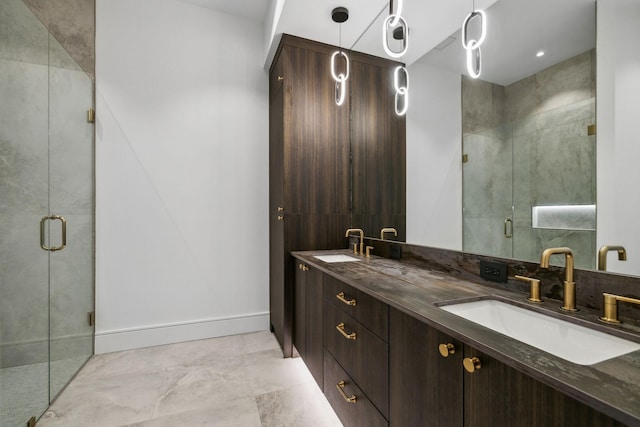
<point x="508" y="228"/>
<point x="43" y="220"/>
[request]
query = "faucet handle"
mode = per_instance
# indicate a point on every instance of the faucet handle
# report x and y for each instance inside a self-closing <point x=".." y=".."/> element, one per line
<point x="534" y="293"/>
<point x="610" y="306"/>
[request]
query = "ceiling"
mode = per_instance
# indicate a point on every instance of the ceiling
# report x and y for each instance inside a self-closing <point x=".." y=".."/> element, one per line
<point x="517" y="29"/>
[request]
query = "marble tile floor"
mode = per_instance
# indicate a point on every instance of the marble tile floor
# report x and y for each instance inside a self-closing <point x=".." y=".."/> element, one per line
<point x="240" y="380"/>
<point x="24" y="389"/>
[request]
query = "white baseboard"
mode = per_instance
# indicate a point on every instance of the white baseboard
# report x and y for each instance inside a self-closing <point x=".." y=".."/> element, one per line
<point x="129" y="339"/>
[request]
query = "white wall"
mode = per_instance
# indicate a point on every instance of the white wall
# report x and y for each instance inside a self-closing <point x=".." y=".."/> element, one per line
<point x="181" y="174"/>
<point x="618" y="146"/>
<point x="434" y="158"/>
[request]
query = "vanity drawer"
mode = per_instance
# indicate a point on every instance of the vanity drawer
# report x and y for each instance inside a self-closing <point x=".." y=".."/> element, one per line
<point x="362" y="354"/>
<point x="361" y="412"/>
<point x="367" y="310"/>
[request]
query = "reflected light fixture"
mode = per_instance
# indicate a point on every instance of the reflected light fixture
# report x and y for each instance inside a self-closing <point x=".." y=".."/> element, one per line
<point x="402" y="90"/>
<point x="540" y="53"/>
<point x="396" y="25"/>
<point x="340" y="15"/>
<point x="472" y="46"/>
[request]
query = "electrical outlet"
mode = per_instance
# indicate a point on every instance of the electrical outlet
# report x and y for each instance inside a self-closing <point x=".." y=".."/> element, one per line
<point x="493" y="271"/>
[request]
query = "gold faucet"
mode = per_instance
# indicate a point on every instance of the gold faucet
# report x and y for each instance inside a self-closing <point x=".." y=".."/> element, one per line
<point x="388" y="230"/>
<point x="569" y="299"/>
<point x="602" y="255"/>
<point x="359" y="230"/>
<point x="610" y="306"/>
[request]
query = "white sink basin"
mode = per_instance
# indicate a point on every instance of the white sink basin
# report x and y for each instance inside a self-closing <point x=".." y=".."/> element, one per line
<point x="336" y="258"/>
<point x="566" y="340"/>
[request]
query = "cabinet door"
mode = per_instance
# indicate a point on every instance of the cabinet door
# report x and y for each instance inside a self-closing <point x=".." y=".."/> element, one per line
<point x="425" y="388"/>
<point x="499" y="395"/>
<point x="313" y="320"/>
<point x="299" y="311"/>
<point x="278" y="295"/>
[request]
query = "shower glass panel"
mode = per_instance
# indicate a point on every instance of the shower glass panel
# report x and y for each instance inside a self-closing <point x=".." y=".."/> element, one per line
<point x="487" y="196"/>
<point x="46" y="168"/>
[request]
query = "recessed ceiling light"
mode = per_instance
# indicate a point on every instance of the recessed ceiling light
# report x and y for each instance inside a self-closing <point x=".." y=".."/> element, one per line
<point x="539" y="54"/>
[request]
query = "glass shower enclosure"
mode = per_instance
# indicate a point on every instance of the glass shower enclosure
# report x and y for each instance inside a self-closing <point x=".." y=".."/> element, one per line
<point x="47" y="216"/>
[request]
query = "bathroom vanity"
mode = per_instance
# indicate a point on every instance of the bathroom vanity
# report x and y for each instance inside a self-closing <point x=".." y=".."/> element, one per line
<point x="378" y="342"/>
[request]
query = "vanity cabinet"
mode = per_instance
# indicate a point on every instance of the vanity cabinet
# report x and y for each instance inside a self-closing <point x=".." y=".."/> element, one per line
<point x="429" y="389"/>
<point x="307" y="336"/>
<point x="357" y="353"/>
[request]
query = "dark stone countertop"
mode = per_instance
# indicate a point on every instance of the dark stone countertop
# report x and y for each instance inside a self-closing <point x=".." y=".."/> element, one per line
<point x="612" y="387"/>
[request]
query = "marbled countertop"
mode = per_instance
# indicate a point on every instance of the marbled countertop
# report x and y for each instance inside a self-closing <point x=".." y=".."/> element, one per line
<point x="612" y="386"/>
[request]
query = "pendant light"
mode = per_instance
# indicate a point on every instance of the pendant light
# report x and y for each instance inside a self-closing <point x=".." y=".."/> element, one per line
<point x="397" y="26"/>
<point x="472" y="46"/>
<point x="340" y="15"/>
<point x="390" y="25"/>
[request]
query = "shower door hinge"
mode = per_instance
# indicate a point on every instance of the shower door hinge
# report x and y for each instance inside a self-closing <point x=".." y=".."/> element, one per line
<point x="465" y="158"/>
<point x="31" y="422"/>
<point x="591" y="130"/>
<point x="92" y="318"/>
<point x="91" y="115"/>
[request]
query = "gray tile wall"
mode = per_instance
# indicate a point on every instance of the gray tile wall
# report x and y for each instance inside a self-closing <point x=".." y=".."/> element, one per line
<point x="528" y="145"/>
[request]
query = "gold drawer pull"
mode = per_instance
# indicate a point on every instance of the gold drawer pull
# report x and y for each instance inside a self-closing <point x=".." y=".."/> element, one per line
<point x="446" y="349"/>
<point x="350" y="399"/>
<point x="471" y="364"/>
<point x="341" y="297"/>
<point x="340" y="328"/>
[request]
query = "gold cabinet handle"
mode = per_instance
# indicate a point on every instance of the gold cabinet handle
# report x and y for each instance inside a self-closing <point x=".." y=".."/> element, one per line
<point x="43" y="220"/>
<point x="341" y="297"/>
<point x="280" y="209"/>
<point x="280" y="78"/>
<point x="340" y="328"/>
<point x="446" y="349"/>
<point x="471" y="364"/>
<point x="303" y="267"/>
<point x="350" y="399"/>
<point x="280" y="218"/>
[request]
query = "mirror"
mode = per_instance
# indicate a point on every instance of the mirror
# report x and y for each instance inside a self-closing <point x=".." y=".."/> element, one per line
<point x="525" y="129"/>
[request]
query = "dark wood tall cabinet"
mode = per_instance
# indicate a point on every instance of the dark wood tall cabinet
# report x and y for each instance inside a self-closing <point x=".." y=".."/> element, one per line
<point x="331" y="167"/>
<point x="378" y="145"/>
<point x="308" y="168"/>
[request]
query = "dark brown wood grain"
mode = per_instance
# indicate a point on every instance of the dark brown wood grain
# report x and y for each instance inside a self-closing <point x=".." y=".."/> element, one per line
<point x="369" y="311"/>
<point x="308" y="169"/>
<point x="365" y="359"/>
<point x="362" y="413"/>
<point x="499" y="395"/>
<point x="425" y="389"/>
<point x="378" y="145"/>
<point x="313" y="316"/>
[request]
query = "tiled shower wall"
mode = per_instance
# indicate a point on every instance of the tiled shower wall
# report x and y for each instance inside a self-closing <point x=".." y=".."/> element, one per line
<point x="528" y="145"/>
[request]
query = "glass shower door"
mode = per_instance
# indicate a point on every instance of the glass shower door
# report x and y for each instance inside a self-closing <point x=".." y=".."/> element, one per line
<point x="70" y="197"/>
<point x="24" y="200"/>
<point x="487" y="196"/>
<point x="46" y="175"/>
